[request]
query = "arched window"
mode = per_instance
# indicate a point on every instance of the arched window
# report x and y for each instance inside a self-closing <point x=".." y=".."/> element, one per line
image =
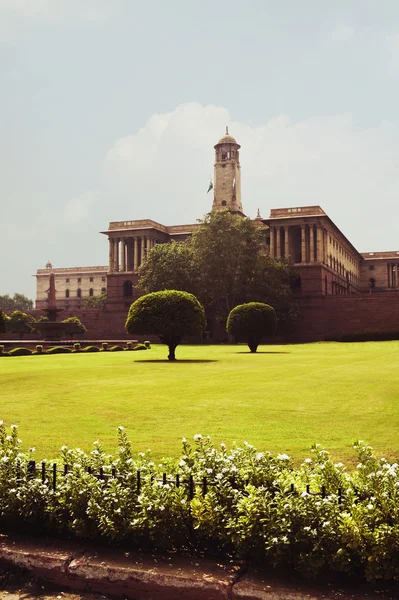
<point x="127" y="289"/>
<point x="103" y="290"/>
<point x="224" y="203"/>
<point x="66" y="293"/>
<point x="79" y="293"/>
<point x="91" y="292"/>
<point x="371" y="283"/>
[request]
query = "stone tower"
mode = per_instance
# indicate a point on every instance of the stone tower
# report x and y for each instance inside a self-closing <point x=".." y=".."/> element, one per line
<point x="227" y="179"/>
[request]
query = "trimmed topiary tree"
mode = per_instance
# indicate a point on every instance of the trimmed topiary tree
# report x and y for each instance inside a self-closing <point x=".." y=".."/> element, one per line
<point x="74" y="326"/>
<point x="169" y="314"/>
<point x="252" y="322"/>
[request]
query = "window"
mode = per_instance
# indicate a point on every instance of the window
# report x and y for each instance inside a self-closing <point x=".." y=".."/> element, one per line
<point x="79" y="293"/>
<point x="91" y="279"/>
<point x="66" y="293"/>
<point x="103" y="290"/>
<point x="67" y="280"/>
<point x="127" y="289"/>
<point x="371" y="267"/>
<point x="91" y="292"/>
<point x="79" y="280"/>
<point x="102" y="278"/>
<point x="224" y="203"/>
<point x="224" y="155"/>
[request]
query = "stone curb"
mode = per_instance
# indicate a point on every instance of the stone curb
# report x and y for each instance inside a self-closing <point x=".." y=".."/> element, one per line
<point x="150" y="577"/>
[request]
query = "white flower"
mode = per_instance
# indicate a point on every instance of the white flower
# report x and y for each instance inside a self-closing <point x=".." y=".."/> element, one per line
<point x="13" y="426"/>
<point x="370" y="506"/>
<point x="283" y="457"/>
<point x="209" y="471"/>
<point x="307" y="461"/>
<point x="197" y="437"/>
<point x="121" y="428"/>
<point x="259" y="456"/>
<point x="339" y="465"/>
<point x="184" y="440"/>
<point x="219" y="476"/>
<point x="182" y="463"/>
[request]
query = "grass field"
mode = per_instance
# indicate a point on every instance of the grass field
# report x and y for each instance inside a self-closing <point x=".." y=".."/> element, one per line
<point x="282" y="399"/>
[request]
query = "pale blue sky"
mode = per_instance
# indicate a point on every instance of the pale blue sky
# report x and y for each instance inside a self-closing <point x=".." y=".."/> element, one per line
<point x="110" y="110"/>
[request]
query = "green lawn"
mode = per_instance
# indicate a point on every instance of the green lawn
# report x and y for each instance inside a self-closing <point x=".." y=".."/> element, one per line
<point x="282" y="399"/>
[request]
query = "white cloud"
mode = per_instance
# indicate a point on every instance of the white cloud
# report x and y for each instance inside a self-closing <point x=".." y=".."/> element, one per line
<point x="77" y="210"/>
<point x="54" y="9"/>
<point x="342" y="33"/>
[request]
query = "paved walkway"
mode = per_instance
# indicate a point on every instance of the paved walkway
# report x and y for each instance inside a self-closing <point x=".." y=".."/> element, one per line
<point x="78" y="568"/>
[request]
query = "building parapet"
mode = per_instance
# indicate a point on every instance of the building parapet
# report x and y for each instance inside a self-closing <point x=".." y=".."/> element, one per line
<point x="299" y="211"/>
<point x="394" y="254"/>
<point x="137" y="224"/>
<point x="60" y="271"/>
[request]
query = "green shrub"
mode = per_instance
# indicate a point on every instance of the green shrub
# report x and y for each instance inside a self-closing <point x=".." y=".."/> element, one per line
<point x="116" y="349"/>
<point x="140" y="347"/>
<point x="20" y="352"/>
<point x="257" y="506"/>
<point x="147" y="344"/>
<point x="91" y="349"/>
<point x="58" y="350"/>
<point x="104" y="346"/>
<point x="76" y="347"/>
<point x="39" y="349"/>
<point x="252" y="322"/>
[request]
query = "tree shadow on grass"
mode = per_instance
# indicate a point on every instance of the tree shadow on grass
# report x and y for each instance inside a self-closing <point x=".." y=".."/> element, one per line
<point x="183" y="360"/>
<point x="263" y="352"/>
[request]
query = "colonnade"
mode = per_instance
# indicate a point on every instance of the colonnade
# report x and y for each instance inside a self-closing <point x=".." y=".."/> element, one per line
<point x="127" y="253"/>
<point x="303" y="243"/>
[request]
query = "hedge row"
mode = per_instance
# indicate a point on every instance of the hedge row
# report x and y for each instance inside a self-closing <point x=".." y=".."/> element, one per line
<point x="257" y="507"/>
<point x="76" y="348"/>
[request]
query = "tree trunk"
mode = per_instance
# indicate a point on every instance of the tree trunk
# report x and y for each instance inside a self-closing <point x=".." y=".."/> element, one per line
<point x="253" y="345"/>
<point x="172" y="348"/>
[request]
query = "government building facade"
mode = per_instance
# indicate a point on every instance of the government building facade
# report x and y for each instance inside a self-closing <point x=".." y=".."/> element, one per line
<point x="335" y="281"/>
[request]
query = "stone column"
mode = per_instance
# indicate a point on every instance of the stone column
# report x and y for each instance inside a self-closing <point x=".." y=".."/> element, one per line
<point x="116" y="253"/>
<point x="111" y="255"/>
<point x="303" y="244"/>
<point x="142" y="249"/>
<point x="123" y="255"/>
<point x="135" y="254"/>
<point x="286" y="241"/>
<point x="311" y="244"/>
<point x="319" y="244"/>
<point x="397" y="275"/>
<point x="272" y="241"/>
<point x="278" y="236"/>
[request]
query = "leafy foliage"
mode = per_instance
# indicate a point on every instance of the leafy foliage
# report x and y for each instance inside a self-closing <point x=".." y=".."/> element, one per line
<point x="3" y="320"/>
<point x="252" y="322"/>
<point x="21" y="323"/>
<point x="223" y="264"/>
<point x="17" y="302"/>
<point x="169" y="267"/>
<point x="330" y="519"/>
<point x="170" y="314"/>
<point x="89" y="349"/>
<point x="75" y="326"/>
<point x="96" y="301"/>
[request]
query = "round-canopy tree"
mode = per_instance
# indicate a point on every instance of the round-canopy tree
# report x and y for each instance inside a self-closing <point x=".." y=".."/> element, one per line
<point x="252" y="322"/>
<point x="3" y="319"/>
<point x="169" y="314"/>
<point x="74" y="326"/>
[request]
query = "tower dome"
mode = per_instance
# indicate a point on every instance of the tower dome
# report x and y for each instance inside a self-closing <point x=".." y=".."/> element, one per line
<point x="227" y="139"/>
